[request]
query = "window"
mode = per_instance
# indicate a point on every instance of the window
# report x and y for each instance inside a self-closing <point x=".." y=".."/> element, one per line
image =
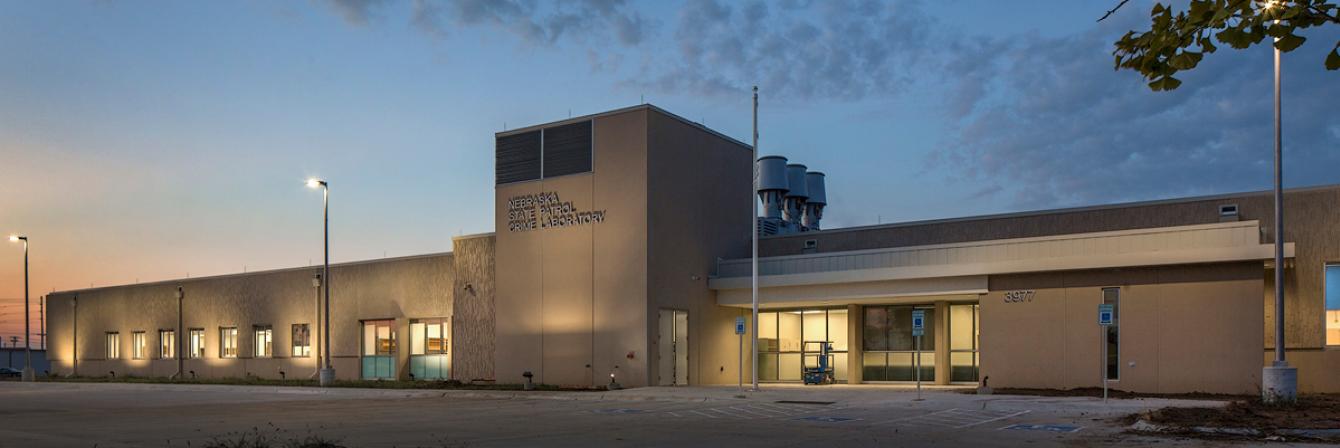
<point x="964" y="334"/>
<point x="228" y="342"/>
<point x="428" y="337"/>
<point x="113" y="345"/>
<point x="1110" y="297"/>
<point x="891" y="351"/>
<point x="1332" y="304"/>
<point x="781" y="336"/>
<point x="197" y="343"/>
<point x="167" y="344"/>
<point x="139" y="347"/>
<point x="302" y="341"/>
<point x="379" y="349"/>
<point x="263" y="341"/>
<point x="428" y="349"/>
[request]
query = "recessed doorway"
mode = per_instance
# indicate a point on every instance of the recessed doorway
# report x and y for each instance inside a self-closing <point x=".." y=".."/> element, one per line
<point x="673" y="345"/>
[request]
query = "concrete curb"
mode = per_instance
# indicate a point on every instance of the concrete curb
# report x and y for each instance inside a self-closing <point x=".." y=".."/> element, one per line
<point x="376" y="392"/>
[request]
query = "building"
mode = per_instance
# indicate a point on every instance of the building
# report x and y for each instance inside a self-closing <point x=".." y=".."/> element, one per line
<point x="14" y="357"/>
<point x="621" y="254"/>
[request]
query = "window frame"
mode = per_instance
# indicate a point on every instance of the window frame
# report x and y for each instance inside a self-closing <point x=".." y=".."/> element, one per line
<point x="225" y="335"/>
<point x="169" y="343"/>
<point x="1112" y="333"/>
<point x="196" y="346"/>
<point x="259" y="350"/>
<point x="422" y="340"/>
<point x="1326" y="309"/>
<point x="111" y="345"/>
<point x="139" y="345"/>
<point x="306" y="339"/>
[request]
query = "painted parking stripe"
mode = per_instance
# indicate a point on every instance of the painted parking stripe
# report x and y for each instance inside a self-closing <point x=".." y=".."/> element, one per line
<point x="728" y="414"/>
<point x="776" y="408"/>
<point x="765" y="413"/>
<point x="911" y="417"/>
<point x="618" y="411"/>
<point x="704" y="414"/>
<point x="1048" y="428"/>
<point x="1003" y="417"/>
<point x="827" y="419"/>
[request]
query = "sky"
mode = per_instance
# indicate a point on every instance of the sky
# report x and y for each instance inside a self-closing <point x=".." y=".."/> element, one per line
<point x="151" y="140"/>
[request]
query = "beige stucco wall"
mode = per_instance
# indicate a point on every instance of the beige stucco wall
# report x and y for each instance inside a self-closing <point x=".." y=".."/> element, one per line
<point x="569" y="300"/>
<point x="1310" y="217"/>
<point x="699" y="193"/>
<point x="1181" y="327"/>
<point x="578" y="303"/>
<point x="411" y="287"/>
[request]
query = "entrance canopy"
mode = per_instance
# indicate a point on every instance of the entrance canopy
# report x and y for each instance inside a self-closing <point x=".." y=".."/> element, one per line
<point x="881" y="275"/>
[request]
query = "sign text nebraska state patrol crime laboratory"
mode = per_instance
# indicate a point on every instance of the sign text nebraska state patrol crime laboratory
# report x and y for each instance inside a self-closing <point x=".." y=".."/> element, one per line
<point x="545" y="210"/>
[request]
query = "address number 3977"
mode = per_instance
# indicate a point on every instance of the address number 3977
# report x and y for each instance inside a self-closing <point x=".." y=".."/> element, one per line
<point x="1019" y="296"/>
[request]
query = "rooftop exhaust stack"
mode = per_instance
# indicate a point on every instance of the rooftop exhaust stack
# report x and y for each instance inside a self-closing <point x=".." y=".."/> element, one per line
<point x="814" y="206"/>
<point x="796" y="194"/>
<point x="772" y="185"/>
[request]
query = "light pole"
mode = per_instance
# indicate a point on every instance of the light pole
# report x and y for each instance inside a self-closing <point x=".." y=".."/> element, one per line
<point x="328" y="371"/>
<point x="753" y="259"/>
<point x="1280" y="382"/>
<point x="27" y="333"/>
<point x="316" y="325"/>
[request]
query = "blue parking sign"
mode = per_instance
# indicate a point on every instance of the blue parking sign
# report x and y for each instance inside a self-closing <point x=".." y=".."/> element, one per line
<point x="918" y="322"/>
<point x="1105" y="314"/>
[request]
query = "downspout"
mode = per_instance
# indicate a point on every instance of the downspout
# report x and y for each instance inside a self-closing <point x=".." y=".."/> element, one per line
<point x="181" y="335"/>
<point x="74" y="346"/>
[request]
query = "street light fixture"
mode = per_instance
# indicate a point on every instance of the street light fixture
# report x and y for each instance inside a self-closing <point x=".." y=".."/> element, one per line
<point x="327" y="371"/>
<point x="27" y="332"/>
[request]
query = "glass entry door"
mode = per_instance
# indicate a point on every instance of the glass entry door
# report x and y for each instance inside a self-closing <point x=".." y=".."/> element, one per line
<point x="379" y="349"/>
<point x="782" y="354"/>
<point x="963" y="339"/>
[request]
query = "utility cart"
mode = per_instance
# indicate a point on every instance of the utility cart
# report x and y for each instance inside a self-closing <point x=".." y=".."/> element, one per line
<point x="817" y="362"/>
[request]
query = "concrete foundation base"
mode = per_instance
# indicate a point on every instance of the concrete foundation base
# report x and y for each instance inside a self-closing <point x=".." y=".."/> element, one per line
<point x="327" y="377"/>
<point x="1279" y="384"/>
<point x="29" y="375"/>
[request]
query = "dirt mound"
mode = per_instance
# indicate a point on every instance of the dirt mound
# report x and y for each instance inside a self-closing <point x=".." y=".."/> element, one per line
<point x="1311" y="412"/>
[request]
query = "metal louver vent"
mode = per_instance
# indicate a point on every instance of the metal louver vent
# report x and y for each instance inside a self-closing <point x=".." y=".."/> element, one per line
<point x="518" y="157"/>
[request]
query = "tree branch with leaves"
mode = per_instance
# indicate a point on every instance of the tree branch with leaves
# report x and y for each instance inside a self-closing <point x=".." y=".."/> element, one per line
<point x="1178" y="41"/>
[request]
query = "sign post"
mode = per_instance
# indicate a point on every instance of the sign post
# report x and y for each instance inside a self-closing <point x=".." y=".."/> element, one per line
<point x="739" y="331"/>
<point x="918" y="329"/>
<point x="1104" y="320"/>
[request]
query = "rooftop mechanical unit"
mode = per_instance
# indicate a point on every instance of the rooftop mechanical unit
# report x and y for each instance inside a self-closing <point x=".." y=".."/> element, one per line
<point x="792" y="197"/>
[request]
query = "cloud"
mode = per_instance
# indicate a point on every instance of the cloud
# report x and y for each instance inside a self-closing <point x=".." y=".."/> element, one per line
<point x="356" y="12"/>
<point x="1048" y="119"/>
<point x="534" y="23"/>
<point x="840" y="50"/>
<point x="1043" y="121"/>
<point x="832" y="50"/>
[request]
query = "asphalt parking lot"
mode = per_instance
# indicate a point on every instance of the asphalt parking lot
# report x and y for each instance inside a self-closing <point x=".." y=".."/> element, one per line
<point x="143" y="415"/>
